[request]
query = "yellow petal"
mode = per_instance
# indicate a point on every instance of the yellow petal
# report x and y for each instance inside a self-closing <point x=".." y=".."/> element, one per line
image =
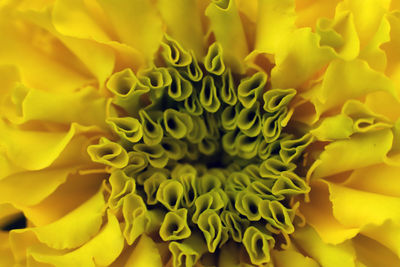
<point x="360" y="151"/>
<point x="72" y="230"/>
<point x="97" y="58"/>
<point x="355" y="208"/>
<point x="41" y="59"/>
<point x="384" y="104"/>
<point x="326" y="255"/>
<point x="298" y="57"/>
<point x="85" y="106"/>
<point x="290" y="258"/>
<point x="380" y="179"/>
<point x="136" y="24"/>
<point x="102" y="250"/>
<point x="10" y="77"/>
<point x="145" y="254"/>
<point x="80" y="186"/>
<point x="353" y="78"/>
<point x="275" y="19"/>
<point x="183" y="23"/>
<point x="367" y="16"/>
<point x="318" y="213"/>
<point x="35" y="150"/>
<point x="334" y="128"/>
<point x="340" y="34"/>
<point x="8" y="213"/>
<point x="372" y="52"/>
<point x="232" y="38"/>
<point x="29" y="188"/>
<point x="87" y="21"/>
<point x="76" y="18"/>
<point x="372" y="253"/>
<point x="390" y="48"/>
<point x="308" y="12"/>
<point x="6" y="257"/>
<point x="387" y="234"/>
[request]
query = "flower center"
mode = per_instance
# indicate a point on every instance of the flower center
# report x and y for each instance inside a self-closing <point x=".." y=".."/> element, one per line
<point x="202" y="158"/>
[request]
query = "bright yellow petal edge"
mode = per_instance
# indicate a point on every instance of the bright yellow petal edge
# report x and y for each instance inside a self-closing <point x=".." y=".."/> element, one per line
<point x="56" y="56"/>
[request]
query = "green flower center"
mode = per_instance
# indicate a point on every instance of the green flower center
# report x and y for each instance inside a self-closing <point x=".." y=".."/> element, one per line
<point x="202" y="159"/>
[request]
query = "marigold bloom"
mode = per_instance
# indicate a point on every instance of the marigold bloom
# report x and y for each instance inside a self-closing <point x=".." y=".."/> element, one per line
<point x="199" y="133"/>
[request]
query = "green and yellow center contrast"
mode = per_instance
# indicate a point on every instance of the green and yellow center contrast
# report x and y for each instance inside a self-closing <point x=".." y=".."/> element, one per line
<point x="201" y="157"/>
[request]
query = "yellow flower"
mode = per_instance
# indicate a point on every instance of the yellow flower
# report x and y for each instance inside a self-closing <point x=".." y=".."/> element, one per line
<point x="199" y="133"/>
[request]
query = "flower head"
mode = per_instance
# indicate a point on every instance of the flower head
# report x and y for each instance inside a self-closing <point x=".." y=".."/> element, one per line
<point x="199" y="133"/>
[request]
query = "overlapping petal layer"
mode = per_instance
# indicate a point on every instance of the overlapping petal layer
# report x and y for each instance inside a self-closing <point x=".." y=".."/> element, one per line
<point x="56" y="60"/>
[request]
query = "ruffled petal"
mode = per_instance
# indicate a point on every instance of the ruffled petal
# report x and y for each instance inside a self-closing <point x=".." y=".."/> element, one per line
<point x="290" y="258"/>
<point x="372" y="253"/>
<point x="366" y="207"/>
<point x="387" y="234"/>
<point x="232" y="39"/>
<point x="299" y="57"/>
<point x="318" y="213"/>
<point x="275" y="20"/>
<point x="308" y="12"/>
<point x="35" y="150"/>
<point x="145" y="254"/>
<point x="356" y="77"/>
<point x="81" y="186"/>
<point x="64" y="233"/>
<point x="102" y="250"/>
<point x="136" y="24"/>
<point x="340" y="34"/>
<point x="85" y="106"/>
<point x="360" y="151"/>
<point x="6" y="257"/>
<point x="380" y="179"/>
<point x="42" y="60"/>
<point x="80" y="19"/>
<point x="184" y="24"/>
<point x="325" y="254"/>
<point x="367" y="16"/>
